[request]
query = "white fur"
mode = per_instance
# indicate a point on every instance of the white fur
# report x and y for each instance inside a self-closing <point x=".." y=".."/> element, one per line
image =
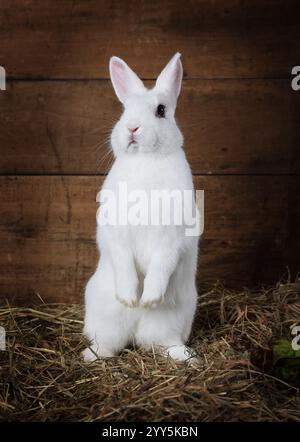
<point x="143" y="290"/>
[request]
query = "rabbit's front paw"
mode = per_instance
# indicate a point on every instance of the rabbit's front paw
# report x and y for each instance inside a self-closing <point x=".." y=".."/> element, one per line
<point x="127" y="294"/>
<point x="129" y="299"/>
<point x="151" y="297"/>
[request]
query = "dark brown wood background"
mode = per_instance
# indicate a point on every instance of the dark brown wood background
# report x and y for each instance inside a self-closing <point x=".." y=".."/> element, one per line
<point x="238" y="112"/>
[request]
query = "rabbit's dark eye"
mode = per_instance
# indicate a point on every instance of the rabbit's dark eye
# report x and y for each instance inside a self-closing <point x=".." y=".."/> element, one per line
<point x="161" y="111"/>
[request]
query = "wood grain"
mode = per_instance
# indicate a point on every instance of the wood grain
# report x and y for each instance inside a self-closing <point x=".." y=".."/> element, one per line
<point x="232" y="126"/>
<point x="67" y="39"/>
<point x="47" y="233"/>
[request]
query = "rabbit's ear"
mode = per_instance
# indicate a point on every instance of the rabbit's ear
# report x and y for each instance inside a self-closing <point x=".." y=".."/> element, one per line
<point x="124" y="80"/>
<point x="170" y="77"/>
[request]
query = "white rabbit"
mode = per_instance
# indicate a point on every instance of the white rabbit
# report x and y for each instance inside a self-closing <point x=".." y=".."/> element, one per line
<point x="143" y="291"/>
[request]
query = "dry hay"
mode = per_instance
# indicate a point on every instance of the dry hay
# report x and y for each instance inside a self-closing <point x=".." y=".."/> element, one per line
<point x="42" y="376"/>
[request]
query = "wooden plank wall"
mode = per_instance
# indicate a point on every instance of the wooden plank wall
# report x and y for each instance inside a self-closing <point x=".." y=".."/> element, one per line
<point x="237" y="111"/>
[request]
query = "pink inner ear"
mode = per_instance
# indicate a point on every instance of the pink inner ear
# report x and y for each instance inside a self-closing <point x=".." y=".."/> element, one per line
<point x="119" y="77"/>
<point x="177" y="78"/>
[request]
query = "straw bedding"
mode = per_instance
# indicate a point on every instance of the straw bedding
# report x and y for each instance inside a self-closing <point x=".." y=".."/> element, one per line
<point x="240" y="378"/>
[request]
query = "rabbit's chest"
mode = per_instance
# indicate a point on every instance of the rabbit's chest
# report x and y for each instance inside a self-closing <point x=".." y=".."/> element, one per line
<point x="144" y="242"/>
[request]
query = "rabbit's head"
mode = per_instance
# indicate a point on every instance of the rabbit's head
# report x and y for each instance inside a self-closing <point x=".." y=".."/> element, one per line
<point x="148" y="120"/>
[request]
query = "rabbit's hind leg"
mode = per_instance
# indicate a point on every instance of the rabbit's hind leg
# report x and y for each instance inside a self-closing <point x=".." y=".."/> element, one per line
<point x="106" y="323"/>
<point x="163" y="329"/>
<point x="181" y="353"/>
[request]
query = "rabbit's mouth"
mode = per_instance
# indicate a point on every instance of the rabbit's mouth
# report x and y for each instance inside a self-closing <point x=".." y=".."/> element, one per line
<point x="132" y="145"/>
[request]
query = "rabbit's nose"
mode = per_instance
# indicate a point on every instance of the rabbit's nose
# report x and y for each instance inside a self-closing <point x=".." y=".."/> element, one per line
<point x="132" y="130"/>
